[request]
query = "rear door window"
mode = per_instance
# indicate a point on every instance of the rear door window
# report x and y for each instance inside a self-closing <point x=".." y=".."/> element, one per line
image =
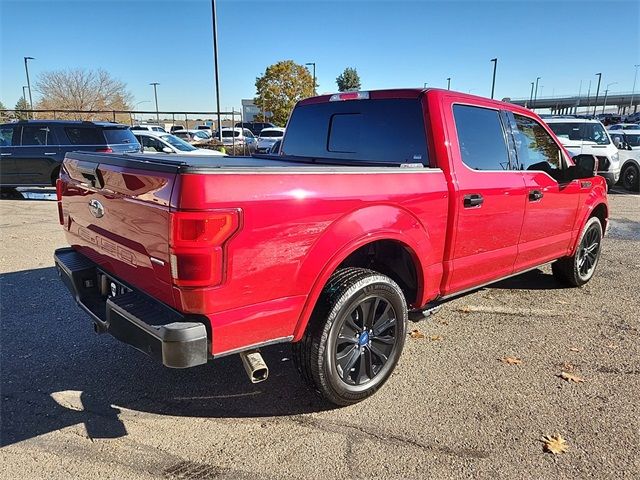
<point x="119" y="136"/>
<point x="365" y="131"/>
<point x="84" y="136"/>
<point x="481" y="137"/>
<point x="37" y="135"/>
<point x="7" y="136"/>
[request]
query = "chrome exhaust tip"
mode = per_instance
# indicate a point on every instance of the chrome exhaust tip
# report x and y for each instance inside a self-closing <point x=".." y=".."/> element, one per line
<point x="255" y="366"/>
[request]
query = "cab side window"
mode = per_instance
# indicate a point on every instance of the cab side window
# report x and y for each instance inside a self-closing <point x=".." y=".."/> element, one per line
<point x="7" y="137"/>
<point x="535" y="148"/>
<point x="151" y="144"/>
<point x="481" y="138"/>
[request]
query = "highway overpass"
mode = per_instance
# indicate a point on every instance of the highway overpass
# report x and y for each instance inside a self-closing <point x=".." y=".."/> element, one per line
<point x="620" y="103"/>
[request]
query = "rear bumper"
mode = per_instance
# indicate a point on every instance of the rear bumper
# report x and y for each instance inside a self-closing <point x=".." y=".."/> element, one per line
<point x="133" y="317"/>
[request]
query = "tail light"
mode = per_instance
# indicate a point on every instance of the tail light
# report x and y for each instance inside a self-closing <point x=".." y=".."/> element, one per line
<point x="59" y="187"/>
<point x="197" y="241"/>
<point x="104" y="150"/>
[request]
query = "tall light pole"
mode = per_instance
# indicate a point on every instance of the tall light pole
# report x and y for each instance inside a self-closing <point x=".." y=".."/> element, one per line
<point x="24" y="93"/>
<point x="215" y="65"/>
<point x="606" y="91"/>
<point x="535" y="95"/>
<point x="531" y="97"/>
<point x="314" y="74"/>
<point x="134" y="107"/>
<point x="155" y="94"/>
<point x="425" y="85"/>
<point x="595" y="103"/>
<point x="26" y="69"/>
<point x="448" y="83"/>
<point x="493" y="82"/>
<point x="588" y="98"/>
<point x="633" y="90"/>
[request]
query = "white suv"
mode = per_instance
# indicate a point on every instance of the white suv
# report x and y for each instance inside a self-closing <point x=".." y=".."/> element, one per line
<point x="588" y="136"/>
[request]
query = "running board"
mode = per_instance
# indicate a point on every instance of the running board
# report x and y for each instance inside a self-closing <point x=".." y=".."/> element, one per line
<point x="421" y="313"/>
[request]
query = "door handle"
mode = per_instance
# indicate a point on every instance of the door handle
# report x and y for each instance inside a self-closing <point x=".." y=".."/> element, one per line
<point x="473" y="200"/>
<point x="49" y="153"/>
<point x="535" y="195"/>
<point x="5" y="154"/>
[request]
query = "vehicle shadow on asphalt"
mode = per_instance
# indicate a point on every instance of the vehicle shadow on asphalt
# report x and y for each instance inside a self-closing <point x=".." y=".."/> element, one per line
<point x="57" y="373"/>
<point x="531" y="280"/>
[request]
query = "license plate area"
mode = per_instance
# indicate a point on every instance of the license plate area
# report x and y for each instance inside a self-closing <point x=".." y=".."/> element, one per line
<point x="109" y="287"/>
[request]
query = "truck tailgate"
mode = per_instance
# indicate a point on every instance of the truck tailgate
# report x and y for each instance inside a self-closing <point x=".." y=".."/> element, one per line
<point x="118" y="216"/>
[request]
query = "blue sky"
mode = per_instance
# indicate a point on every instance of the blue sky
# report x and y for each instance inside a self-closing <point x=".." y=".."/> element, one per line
<point x="390" y="43"/>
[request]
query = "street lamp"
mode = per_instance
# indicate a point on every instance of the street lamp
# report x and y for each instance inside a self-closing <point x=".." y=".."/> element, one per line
<point x="134" y="107"/>
<point x="26" y="69"/>
<point x="531" y="96"/>
<point x="425" y="85"/>
<point x="314" y="75"/>
<point x="493" y="82"/>
<point x="155" y="93"/>
<point x="215" y="64"/>
<point x="535" y="95"/>
<point x="633" y="90"/>
<point x="448" y="83"/>
<point x="595" y="103"/>
<point x="606" y="91"/>
<point x="24" y="93"/>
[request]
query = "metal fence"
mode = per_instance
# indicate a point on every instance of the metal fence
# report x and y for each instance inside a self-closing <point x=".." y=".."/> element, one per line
<point x="186" y="119"/>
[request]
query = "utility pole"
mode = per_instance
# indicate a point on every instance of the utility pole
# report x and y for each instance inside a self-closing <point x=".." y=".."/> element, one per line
<point x="26" y="69"/>
<point x="155" y="93"/>
<point x="493" y="82"/>
<point x="595" y="103"/>
<point x="633" y="90"/>
<point x="314" y="75"/>
<point x="215" y="66"/>
<point x="449" y="83"/>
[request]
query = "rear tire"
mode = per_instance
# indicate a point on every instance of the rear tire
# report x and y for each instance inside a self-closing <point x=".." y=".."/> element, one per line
<point x="578" y="269"/>
<point x="54" y="176"/>
<point x="355" y="336"/>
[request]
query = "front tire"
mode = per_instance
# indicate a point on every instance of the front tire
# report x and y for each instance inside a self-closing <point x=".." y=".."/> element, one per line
<point x="578" y="269"/>
<point x="631" y="178"/>
<point x="355" y="336"/>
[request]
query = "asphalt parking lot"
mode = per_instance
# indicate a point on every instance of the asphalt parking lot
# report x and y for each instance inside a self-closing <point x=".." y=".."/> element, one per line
<point x="78" y="405"/>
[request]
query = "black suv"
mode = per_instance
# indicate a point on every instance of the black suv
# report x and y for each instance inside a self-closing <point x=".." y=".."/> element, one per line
<point x="255" y="127"/>
<point x="32" y="151"/>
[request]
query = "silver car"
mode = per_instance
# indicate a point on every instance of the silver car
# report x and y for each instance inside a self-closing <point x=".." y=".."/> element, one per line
<point x="268" y="137"/>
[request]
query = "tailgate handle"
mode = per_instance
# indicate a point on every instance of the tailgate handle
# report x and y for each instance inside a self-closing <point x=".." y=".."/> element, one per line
<point x="89" y="171"/>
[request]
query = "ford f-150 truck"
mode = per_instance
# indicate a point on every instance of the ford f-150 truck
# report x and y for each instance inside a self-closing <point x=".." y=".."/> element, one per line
<point x="379" y="205"/>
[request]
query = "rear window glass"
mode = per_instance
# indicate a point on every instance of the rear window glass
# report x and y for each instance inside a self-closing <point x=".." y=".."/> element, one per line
<point x="119" y="135"/>
<point x="271" y="133"/>
<point x="84" y="136"/>
<point x="230" y="133"/>
<point x="389" y="130"/>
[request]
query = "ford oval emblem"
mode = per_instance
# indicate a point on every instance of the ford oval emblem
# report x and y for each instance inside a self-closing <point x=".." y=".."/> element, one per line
<point x="96" y="208"/>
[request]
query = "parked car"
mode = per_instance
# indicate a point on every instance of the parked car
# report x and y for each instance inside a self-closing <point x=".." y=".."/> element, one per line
<point x="588" y="136"/>
<point x="268" y="137"/>
<point x="158" y="142"/>
<point x="358" y="221"/>
<point x="255" y="127"/>
<point x="205" y="128"/>
<point x="623" y="126"/>
<point x="194" y="137"/>
<point x="628" y="143"/>
<point x="239" y="137"/>
<point x="176" y="128"/>
<point x="32" y="151"/>
<point x="149" y="127"/>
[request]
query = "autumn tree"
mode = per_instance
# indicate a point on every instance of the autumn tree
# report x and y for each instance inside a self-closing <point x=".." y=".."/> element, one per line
<point x="281" y="86"/>
<point x="81" y="89"/>
<point x="20" y="109"/>
<point x="3" y="115"/>
<point x="349" y="80"/>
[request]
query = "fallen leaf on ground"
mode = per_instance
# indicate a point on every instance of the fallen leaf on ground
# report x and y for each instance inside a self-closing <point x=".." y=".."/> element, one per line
<point x="612" y="346"/>
<point x="569" y="377"/>
<point x="554" y="444"/>
<point x="435" y="338"/>
<point x="443" y="322"/>
<point x="576" y="349"/>
<point x="511" y="360"/>
<point x="416" y="334"/>
<point x="465" y="310"/>
<point x="568" y="367"/>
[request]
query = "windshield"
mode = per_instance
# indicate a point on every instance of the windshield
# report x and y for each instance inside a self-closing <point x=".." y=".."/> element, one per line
<point x="230" y="133"/>
<point x="201" y="134"/>
<point x="587" y="132"/>
<point x="178" y="143"/>
<point x="271" y="134"/>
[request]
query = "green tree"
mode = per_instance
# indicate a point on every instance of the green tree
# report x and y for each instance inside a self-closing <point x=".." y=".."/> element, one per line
<point x="281" y="86"/>
<point x="3" y="115"/>
<point x="20" y="108"/>
<point x="349" y="80"/>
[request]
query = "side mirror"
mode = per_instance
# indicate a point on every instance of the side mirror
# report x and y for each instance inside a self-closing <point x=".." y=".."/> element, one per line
<point x="586" y="166"/>
<point x="167" y="150"/>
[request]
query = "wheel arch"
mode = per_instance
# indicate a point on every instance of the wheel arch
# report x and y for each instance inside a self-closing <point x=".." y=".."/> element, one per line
<point x="595" y="208"/>
<point x="373" y="226"/>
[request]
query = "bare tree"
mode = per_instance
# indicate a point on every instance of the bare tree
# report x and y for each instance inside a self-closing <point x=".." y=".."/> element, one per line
<point x="81" y="89"/>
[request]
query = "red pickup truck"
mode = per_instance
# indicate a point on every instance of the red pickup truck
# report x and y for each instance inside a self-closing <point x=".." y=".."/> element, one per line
<point x="379" y="204"/>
